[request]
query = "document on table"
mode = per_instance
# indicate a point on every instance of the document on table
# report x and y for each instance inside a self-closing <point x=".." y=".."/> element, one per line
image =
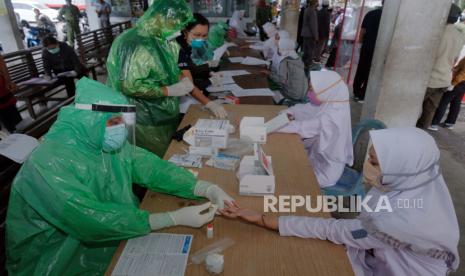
<point x="236" y="59"/>
<point x="257" y="47"/>
<point x="253" y="92"/>
<point x="154" y="254"/>
<point x="227" y="80"/>
<point x="225" y="87"/>
<point x="18" y="147"/>
<point x="37" y="81"/>
<point x="233" y="73"/>
<point x="254" y="61"/>
<point x="219" y="52"/>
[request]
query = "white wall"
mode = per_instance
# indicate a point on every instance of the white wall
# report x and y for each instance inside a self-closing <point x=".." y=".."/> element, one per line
<point x="10" y="37"/>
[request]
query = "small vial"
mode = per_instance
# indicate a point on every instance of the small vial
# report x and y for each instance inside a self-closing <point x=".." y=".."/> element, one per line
<point x="210" y="230"/>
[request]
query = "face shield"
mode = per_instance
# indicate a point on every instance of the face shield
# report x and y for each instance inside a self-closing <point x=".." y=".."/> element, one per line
<point x="120" y="128"/>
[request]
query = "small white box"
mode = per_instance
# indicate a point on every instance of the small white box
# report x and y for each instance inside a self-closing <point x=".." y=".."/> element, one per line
<point x="253" y="128"/>
<point x="211" y="133"/>
<point x="253" y="181"/>
<point x="203" y="151"/>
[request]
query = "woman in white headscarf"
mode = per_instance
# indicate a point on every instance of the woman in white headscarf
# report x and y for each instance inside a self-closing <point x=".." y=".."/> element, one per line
<point x="324" y="125"/>
<point x="411" y="239"/>
<point x="237" y="22"/>
<point x="287" y="70"/>
<point x="270" y="45"/>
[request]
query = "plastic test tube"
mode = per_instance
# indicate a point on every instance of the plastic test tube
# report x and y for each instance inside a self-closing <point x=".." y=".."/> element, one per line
<point x="210" y="230"/>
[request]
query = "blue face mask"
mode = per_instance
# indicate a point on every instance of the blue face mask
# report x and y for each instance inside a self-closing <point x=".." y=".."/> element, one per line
<point x="198" y="43"/>
<point x="54" y="50"/>
<point x="114" y="138"/>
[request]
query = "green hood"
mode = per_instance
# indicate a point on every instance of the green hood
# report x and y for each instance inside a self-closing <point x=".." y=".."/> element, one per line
<point x="84" y="127"/>
<point x="164" y="18"/>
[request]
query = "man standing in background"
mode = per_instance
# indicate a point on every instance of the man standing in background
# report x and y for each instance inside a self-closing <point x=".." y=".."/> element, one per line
<point x="70" y="14"/>
<point x="310" y="32"/>
<point x="324" y="20"/>
<point x="262" y="16"/>
<point x="103" y="10"/>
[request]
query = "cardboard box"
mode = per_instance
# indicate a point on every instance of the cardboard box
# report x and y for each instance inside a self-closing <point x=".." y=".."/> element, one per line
<point x="208" y="133"/>
<point x="254" y="180"/>
<point x="253" y="128"/>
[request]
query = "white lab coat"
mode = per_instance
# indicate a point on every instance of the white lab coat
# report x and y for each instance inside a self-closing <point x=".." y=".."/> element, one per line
<point x="325" y="129"/>
<point x="407" y="241"/>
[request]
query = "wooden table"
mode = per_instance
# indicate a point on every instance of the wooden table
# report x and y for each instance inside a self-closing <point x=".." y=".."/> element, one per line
<point x="256" y="251"/>
<point x="255" y="80"/>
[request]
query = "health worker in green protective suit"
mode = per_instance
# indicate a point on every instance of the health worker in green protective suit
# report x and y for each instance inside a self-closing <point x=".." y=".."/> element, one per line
<point x="217" y="35"/>
<point x="142" y="64"/>
<point x="70" y="14"/>
<point x="72" y="202"/>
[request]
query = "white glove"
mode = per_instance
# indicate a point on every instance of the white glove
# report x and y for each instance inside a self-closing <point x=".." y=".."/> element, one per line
<point x="217" y="110"/>
<point x="214" y="193"/>
<point x="213" y="63"/>
<point x="190" y="216"/>
<point x="216" y="80"/>
<point x="182" y="88"/>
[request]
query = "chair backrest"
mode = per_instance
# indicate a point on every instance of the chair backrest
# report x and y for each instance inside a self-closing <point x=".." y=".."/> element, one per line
<point x="22" y="65"/>
<point x="365" y="125"/>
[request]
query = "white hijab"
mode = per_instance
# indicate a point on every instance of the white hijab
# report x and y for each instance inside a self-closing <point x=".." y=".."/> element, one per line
<point x="335" y="136"/>
<point x="409" y="160"/>
<point x="284" y="35"/>
<point x="237" y="23"/>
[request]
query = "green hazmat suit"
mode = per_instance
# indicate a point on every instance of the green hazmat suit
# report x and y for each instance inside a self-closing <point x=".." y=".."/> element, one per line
<point x="142" y="61"/>
<point x="217" y="35"/>
<point x="71" y="203"/>
<point x="70" y="14"/>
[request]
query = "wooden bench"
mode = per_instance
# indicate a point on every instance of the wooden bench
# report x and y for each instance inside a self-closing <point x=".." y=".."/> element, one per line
<point x="9" y="169"/>
<point x="24" y="65"/>
<point x="93" y="46"/>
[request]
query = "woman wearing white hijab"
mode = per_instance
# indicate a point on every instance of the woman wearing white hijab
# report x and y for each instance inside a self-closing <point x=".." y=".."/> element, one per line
<point x="287" y="70"/>
<point x="403" y="167"/>
<point x="270" y="46"/>
<point x="237" y="22"/>
<point x="324" y="125"/>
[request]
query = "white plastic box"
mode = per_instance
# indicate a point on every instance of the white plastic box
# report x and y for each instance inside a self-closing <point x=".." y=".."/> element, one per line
<point x="255" y="183"/>
<point x="253" y="128"/>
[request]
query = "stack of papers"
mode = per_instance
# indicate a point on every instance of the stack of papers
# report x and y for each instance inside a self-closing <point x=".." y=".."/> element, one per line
<point x="154" y="254"/>
<point x="253" y="92"/>
<point x="254" y="61"/>
<point x="225" y="87"/>
<point x="233" y="73"/>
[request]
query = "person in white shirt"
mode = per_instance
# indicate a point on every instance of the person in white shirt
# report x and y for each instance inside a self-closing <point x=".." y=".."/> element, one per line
<point x="237" y="22"/>
<point x="403" y="165"/>
<point x="324" y="125"/>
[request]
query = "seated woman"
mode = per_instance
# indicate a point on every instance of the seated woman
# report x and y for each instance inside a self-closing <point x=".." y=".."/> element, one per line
<point x="324" y="125"/>
<point x="270" y="46"/>
<point x="193" y="40"/>
<point x="237" y="23"/>
<point x="287" y="70"/>
<point x="403" y="165"/>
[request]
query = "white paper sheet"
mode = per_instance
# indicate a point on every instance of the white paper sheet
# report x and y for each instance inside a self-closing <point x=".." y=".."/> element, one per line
<point x="226" y="87"/>
<point x="236" y="59"/>
<point x="254" y="61"/>
<point x="219" y="52"/>
<point x="37" y="81"/>
<point x="18" y="147"/>
<point x="154" y="254"/>
<point x="227" y="80"/>
<point x="253" y="92"/>
<point x="233" y="73"/>
<point x="277" y="122"/>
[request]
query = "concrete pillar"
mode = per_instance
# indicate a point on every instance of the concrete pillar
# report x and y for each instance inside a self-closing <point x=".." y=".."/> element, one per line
<point x="403" y="59"/>
<point x="10" y="37"/>
<point x="290" y="17"/>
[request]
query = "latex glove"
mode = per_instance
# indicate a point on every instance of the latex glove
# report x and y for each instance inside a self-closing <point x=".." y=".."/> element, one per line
<point x="182" y="88"/>
<point x="216" y="79"/>
<point x="190" y="216"/>
<point x="217" y="110"/>
<point x="214" y="193"/>
<point x="213" y="63"/>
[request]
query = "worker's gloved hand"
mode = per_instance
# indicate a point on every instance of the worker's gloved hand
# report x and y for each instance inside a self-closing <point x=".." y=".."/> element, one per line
<point x="213" y="63"/>
<point x="191" y="216"/>
<point x="47" y="77"/>
<point x="216" y="79"/>
<point x="217" y="110"/>
<point x="214" y="193"/>
<point x="182" y="88"/>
